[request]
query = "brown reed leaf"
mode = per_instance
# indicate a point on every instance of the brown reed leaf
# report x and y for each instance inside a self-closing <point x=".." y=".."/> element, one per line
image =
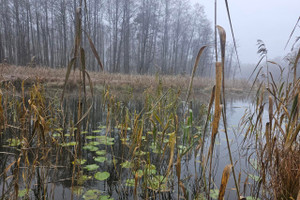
<point x="193" y="72"/>
<point x="69" y="67"/>
<point x="292" y="32"/>
<point x="222" y="35"/>
<point x="224" y="181"/>
<point x="295" y="66"/>
<point x="95" y="51"/>
<point x="217" y="112"/>
<point x="172" y="140"/>
<point x="232" y="33"/>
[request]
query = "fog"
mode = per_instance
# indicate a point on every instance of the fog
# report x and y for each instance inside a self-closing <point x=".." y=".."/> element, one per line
<point x="269" y="20"/>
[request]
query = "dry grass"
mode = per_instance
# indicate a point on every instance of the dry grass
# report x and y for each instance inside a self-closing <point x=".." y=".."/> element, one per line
<point x="54" y="78"/>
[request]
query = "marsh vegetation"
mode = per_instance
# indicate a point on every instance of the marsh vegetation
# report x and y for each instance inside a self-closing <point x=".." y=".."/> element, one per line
<point x="71" y="137"/>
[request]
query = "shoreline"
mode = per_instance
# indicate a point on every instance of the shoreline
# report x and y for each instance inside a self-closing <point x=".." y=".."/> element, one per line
<point x="53" y="79"/>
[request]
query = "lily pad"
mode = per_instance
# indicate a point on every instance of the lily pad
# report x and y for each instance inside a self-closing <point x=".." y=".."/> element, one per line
<point x="150" y="169"/>
<point x="139" y="172"/>
<point x="22" y="193"/>
<point x="101" y="176"/>
<point x="80" y="161"/>
<point x="140" y="153"/>
<point x="158" y="182"/>
<point x="252" y="198"/>
<point x="254" y="177"/>
<point x="214" y="193"/>
<point x="106" y="140"/>
<point x="154" y="148"/>
<point x="100" y="159"/>
<point x="90" y="147"/>
<point x="14" y="142"/>
<point x="68" y="144"/>
<point x="55" y="134"/>
<point x="101" y="152"/>
<point x="130" y="182"/>
<point x="91" y="194"/>
<point x="90" y="137"/>
<point x="106" y="197"/>
<point x="94" y="143"/>
<point x="127" y="164"/>
<point x="83" y="178"/>
<point x="91" y="167"/>
<point x="78" y="190"/>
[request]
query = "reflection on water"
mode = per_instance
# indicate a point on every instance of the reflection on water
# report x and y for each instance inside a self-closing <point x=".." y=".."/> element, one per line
<point x="105" y="149"/>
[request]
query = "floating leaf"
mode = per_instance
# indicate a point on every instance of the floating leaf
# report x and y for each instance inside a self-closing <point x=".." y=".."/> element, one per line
<point x="84" y="132"/>
<point x="90" y="137"/>
<point x="150" y="169"/>
<point x="252" y="198"/>
<point x="94" y="143"/>
<point x="214" y="193"/>
<point x="254" y="164"/>
<point x="101" y="176"/>
<point x="91" y="167"/>
<point x="130" y="182"/>
<point x="100" y="159"/>
<point x="55" y="134"/>
<point x="102" y="127"/>
<point x="91" y="194"/>
<point x="166" y="140"/>
<point x="101" y="152"/>
<point x="158" y="182"/>
<point x="181" y="148"/>
<point x="139" y="172"/>
<point x="90" y="147"/>
<point x="106" y="140"/>
<point x="14" y="142"/>
<point x="254" y="177"/>
<point x="127" y="164"/>
<point x="80" y="161"/>
<point x="140" y="153"/>
<point x="154" y="148"/>
<point x="82" y="179"/>
<point x="97" y="131"/>
<point x="124" y="140"/>
<point x="68" y="144"/>
<point x="106" y="197"/>
<point x="22" y="193"/>
<point x="78" y="190"/>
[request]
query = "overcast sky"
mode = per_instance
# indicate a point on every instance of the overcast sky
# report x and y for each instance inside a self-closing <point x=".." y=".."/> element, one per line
<point x="269" y="20"/>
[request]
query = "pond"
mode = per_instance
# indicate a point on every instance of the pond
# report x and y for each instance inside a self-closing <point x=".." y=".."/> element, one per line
<point x="127" y="148"/>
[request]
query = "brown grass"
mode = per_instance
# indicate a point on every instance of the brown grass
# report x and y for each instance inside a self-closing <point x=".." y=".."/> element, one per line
<point x="54" y="78"/>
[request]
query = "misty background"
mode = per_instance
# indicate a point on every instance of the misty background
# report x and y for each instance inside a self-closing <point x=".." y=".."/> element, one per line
<point x="145" y="36"/>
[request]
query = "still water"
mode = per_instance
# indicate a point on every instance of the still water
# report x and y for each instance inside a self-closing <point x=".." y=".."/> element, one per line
<point x="105" y="150"/>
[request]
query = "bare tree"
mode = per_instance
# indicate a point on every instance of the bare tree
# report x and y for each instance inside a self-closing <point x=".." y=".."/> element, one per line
<point x="140" y="36"/>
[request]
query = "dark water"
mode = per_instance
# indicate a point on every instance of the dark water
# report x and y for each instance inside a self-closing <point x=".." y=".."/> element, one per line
<point x="58" y="180"/>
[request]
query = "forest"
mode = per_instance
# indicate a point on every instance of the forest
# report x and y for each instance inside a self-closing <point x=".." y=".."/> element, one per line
<point x="131" y="36"/>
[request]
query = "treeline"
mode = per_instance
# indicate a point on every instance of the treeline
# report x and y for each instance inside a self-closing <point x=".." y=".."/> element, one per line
<point x="131" y="36"/>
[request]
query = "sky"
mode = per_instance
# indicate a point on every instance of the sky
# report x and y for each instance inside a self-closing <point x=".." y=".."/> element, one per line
<point x="272" y="21"/>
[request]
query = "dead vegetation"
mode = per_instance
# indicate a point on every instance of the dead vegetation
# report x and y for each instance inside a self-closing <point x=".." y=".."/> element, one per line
<point x="55" y="78"/>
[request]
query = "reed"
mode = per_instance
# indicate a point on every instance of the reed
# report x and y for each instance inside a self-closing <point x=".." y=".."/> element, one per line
<point x="277" y="137"/>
